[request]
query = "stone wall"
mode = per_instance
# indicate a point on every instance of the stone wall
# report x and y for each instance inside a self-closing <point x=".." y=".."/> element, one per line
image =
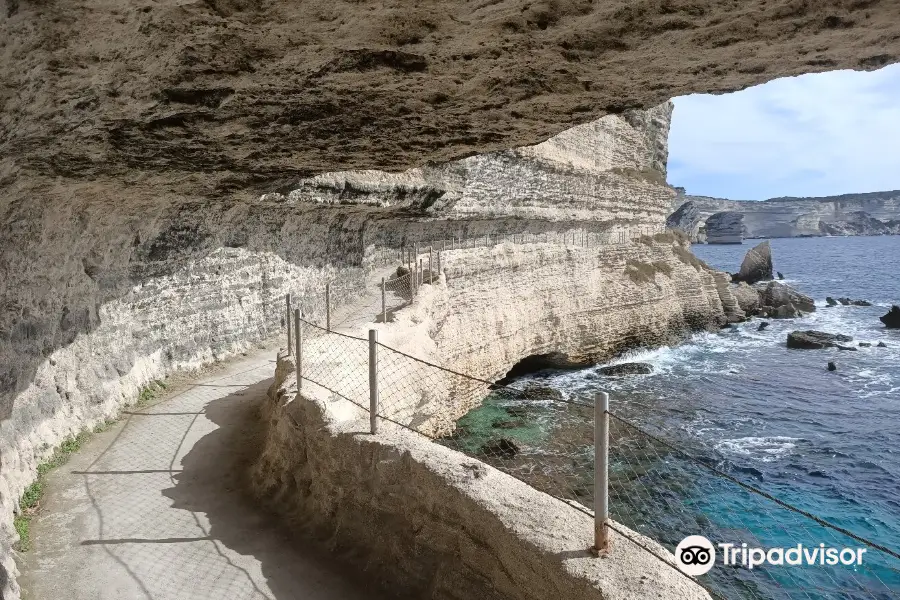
<point x="424" y="521"/>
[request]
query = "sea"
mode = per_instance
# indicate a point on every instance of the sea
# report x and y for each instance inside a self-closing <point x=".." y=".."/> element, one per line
<point x="733" y="433"/>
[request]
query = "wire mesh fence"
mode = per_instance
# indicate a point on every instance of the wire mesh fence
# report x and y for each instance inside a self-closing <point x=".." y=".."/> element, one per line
<point x="656" y="489"/>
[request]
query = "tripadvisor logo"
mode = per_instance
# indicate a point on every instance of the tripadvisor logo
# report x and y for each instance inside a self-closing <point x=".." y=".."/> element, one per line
<point x="696" y="555"/>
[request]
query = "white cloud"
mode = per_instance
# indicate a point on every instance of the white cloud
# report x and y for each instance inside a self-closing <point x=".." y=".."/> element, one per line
<point x="813" y="135"/>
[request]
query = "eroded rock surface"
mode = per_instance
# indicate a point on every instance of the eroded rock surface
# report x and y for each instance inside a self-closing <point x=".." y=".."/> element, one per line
<point x="815" y="340"/>
<point x="725" y="228"/>
<point x="757" y="264"/>
<point x="228" y="94"/>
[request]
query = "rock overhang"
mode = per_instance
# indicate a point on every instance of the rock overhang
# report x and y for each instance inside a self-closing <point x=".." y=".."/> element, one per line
<point x="227" y="94"/>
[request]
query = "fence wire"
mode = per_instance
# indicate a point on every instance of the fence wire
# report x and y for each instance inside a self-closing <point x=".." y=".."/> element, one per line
<point x="536" y="435"/>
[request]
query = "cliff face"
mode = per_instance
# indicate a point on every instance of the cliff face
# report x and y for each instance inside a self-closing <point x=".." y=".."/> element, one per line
<point x="876" y="213"/>
<point x="612" y="170"/>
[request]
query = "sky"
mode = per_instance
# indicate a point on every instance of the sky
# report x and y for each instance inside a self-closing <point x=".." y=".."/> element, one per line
<point x="814" y="135"/>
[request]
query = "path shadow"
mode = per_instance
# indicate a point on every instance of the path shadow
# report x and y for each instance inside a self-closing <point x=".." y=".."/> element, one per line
<point x="213" y="483"/>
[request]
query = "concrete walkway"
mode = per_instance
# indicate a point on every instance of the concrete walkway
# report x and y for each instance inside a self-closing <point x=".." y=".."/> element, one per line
<point x="155" y="508"/>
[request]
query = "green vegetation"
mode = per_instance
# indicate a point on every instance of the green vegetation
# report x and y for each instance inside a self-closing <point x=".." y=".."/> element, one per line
<point x="34" y="493"/>
<point x="688" y="258"/>
<point x="642" y="272"/>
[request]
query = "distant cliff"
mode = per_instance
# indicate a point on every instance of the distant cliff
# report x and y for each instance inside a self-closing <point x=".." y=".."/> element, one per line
<point x="875" y="213"/>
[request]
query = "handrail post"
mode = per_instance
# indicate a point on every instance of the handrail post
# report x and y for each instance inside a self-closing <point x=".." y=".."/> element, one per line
<point x="298" y="353"/>
<point x="328" y="306"/>
<point x="373" y="380"/>
<point x="601" y="475"/>
<point x="383" y="303"/>
<point x="287" y="299"/>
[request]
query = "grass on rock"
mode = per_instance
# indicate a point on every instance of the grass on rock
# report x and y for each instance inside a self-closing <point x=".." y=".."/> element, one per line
<point x="30" y="503"/>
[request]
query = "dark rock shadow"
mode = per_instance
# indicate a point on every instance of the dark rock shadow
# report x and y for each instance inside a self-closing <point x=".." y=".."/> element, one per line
<point x="214" y="482"/>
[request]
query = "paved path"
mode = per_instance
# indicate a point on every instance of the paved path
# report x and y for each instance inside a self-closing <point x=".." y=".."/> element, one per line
<point x="154" y="508"/>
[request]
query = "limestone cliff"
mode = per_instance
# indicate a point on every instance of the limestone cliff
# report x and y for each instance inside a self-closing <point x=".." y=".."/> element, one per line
<point x="611" y="170"/>
<point x="876" y="213"/>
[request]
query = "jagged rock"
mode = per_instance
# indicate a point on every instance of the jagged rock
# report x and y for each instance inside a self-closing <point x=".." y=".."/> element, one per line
<point x="780" y="276"/>
<point x="626" y="369"/>
<point x="881" y="345"/>
<point x="865" y="345"/>
<point x="788" y="311"/>
<point x="757" y="264"/>
<point x="778" y="294"/>
<point x="815" y="340"/>
<point x="831" y="301"/>
<point x="725" y="228"/>
<point x="747" y="298"/>
<point x="851" y="302"/>
<point x="832" y="366"/>
<point x="840" y="347"/>
<point x="763" y="325"/>
<point x="686" y="219"/>
<point x="541" y="392"/>
<point x="892" y="319"/>
<point x="502" y="448"/>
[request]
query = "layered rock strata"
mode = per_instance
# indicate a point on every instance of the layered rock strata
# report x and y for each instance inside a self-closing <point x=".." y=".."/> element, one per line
<point x="725" y="228"/>
<point x="876" y="213"/>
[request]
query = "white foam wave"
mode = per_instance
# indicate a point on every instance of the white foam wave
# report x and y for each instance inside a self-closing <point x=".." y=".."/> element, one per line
<point x="766" y="449"/>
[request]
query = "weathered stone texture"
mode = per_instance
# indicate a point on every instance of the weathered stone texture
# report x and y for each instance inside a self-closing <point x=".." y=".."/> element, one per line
<point x="725" y="228"/>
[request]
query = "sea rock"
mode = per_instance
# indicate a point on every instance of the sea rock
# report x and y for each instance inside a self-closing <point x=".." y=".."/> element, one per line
<point x="814" y="340"/>
<point x="757" y="264"/>
<point x="725" y="228"/>
<point x="851" y="348"/>
<point x="763" y="325"/>
<point x="831" y="301"/>
<point x="851" y="302"/>
<point x="865" y="345"/>
<point x="881" y="345"/>
<point x="541" y="392"/>
<point x="892" y="319"/>
<point x="780" y="276"/>
<point x="788" y="311"/>
<point x="747" y="298"/>
<point x="778" y="294"/>
<point x="832" y="366"/>
<point x="502" y="448"/>
<point x="626" y="369"/>
<point x="686" y="219"/>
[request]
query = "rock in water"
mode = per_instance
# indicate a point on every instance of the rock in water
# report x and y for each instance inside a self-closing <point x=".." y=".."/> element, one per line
<point x="776" y="295"/>
<point x="814" y="340"/>
<point x="892" y="319"/>
<point x="881" y="345"/>
<point x="762" y="325"/>
<point x="725" y="228"/>
<point x="757" y="265"/>
<point x="832" y="366"/>
<point x="865" y="345"/>
<point x="831" y="301"/>
<point x="626" y="369"/>
<point x="685" y="219"/>
<point x="502" y="448"/>
<point x="780" y="276"/>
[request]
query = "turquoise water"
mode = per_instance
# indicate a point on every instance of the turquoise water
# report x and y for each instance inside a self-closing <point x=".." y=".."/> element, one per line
<point x="741" y="402"/>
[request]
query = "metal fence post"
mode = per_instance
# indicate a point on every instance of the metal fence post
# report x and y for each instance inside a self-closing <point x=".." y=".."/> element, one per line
<point x="383" y="303"/>
<point x="439" y="263"/>
<point x="328" y="306"/>
<point x="601" y="474"/>
<point x="421" y="275"/>
<point x="373" y="380"/>
<point x="287" y="299"/>
<point x="298" y="352"/>
<point x="430" y="269"/>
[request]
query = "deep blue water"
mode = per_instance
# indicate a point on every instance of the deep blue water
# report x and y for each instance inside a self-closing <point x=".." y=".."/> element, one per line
<point x="828" y="442"/>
